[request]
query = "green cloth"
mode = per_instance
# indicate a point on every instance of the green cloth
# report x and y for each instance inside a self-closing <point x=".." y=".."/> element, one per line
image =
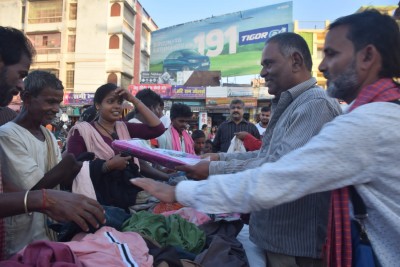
<point x="172" y="230"/>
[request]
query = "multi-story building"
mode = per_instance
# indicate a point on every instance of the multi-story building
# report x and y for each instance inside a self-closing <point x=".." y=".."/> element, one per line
<point x="85" y="43"/>
<point x="314" y="33"/>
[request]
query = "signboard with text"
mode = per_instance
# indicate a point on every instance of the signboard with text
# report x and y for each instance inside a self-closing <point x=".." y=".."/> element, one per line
<point x="78" y="98"/>
<point x="230" y="43"/>
<point x="240" y="91"/>
<point x="219" y="103"/>
<point x="182" y="92"/>
<point x="150" y="77"/>
<point x="164" y="90"/>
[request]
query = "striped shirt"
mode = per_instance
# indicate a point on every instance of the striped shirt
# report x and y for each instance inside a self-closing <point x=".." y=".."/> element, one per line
<point x="297" y="228"/>
<point x="226" y="131"/>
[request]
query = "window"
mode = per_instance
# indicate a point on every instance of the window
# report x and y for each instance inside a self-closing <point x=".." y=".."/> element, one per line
<point x="48" y="43"/>
<point x="70" y="76"/>
<point x="47" y="11"/>
<point x="144" y="62"/>
<point x="127" y="47"/>
<point x="115" y="10"/>
<point x="70" y="79"/>
<point x="23" y="14"/>
<point x="114" y="42"/>
<point x="73" y="11"/>
<point x="129" y="20"/>
<point x="125" y="80"/>
<point x="71" y="43"/>
<point x="112" y="78"/>
<point x="45" y="40"/>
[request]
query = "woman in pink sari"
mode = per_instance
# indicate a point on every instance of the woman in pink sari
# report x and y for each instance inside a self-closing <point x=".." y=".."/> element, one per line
<point x="96" y="136"/>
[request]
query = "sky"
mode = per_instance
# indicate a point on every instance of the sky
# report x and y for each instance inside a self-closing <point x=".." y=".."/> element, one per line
<point x="167" y="13"/>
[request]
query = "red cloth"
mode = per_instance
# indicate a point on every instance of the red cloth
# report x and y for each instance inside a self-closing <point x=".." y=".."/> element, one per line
<point x="44" y="254"/>
<point x="338" y="249"/>
<point x="154" y="142"/>
<point x="164" y="207"/>
<point x="251" y="143"/>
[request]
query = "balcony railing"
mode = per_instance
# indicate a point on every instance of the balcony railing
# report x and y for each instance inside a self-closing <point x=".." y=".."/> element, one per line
<point x="45" y="20"/>
<point x="42" y="51"/>
<point x="128" y="26"/>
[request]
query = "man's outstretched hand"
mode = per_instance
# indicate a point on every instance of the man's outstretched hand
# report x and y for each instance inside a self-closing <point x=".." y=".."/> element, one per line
<point x="163" y="192"/>
<point x="200" y="171"/>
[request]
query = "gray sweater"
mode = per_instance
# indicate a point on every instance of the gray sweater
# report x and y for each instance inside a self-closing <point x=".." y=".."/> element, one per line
<point x="359" y="148"/>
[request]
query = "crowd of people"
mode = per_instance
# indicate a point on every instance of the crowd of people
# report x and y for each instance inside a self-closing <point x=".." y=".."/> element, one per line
<point x="276" y="193"/>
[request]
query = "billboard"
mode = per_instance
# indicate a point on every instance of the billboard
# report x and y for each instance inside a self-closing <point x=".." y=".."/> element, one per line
<point x="230" y="43"/>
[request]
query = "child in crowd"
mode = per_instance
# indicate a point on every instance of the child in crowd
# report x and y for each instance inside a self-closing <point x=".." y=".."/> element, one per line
<point x="208" y="147"/>
<point x="213" y="132"/>
<point x="199" y="139"/>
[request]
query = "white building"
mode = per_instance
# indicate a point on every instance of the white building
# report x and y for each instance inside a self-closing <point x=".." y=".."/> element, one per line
<point x="86" y="43"/>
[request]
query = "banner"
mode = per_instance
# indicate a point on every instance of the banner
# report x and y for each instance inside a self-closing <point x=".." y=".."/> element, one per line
<point x="183" y="92"/>
<point x="240" y="91"/>
<point x="223" y="103"/>
<point x="78" y="99"/>
<point x="164" y="90"/>
<point x="230" y="43"/>
<point x="263" y="93"/>
<point x="203" y="119"/>
<point x="149" y="77"/>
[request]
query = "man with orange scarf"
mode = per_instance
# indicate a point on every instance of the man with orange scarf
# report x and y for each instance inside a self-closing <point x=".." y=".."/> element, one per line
<point x="360" y="148"/>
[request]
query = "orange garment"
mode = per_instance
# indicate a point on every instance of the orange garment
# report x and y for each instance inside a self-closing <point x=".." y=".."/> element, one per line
<point x="50" y="127"/>
<point x="163" y="207"/>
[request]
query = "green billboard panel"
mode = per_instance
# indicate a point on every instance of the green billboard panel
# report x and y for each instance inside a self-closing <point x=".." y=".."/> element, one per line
<point x="230" y="43"/>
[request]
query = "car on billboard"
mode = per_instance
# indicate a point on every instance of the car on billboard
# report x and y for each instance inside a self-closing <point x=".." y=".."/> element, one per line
<point x="185" y="59"/>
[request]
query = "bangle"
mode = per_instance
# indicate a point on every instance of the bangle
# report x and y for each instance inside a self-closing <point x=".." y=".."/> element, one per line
<point x="25" y="200"/>
<point x="44" y="199"/>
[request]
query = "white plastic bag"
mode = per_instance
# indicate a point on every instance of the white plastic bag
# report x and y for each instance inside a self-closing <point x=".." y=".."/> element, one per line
<point x="236" y="146"/>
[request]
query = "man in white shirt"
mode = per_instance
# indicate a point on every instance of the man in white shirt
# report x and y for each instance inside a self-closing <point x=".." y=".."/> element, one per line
<point x="264" y="119"/>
